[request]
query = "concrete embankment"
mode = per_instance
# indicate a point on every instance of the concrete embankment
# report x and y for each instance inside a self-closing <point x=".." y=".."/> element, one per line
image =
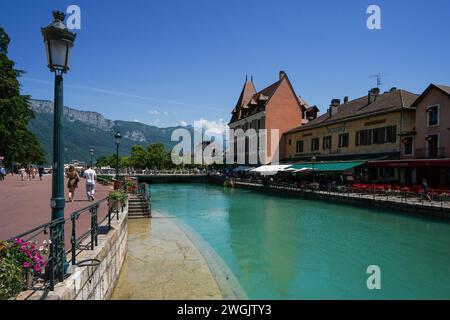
<point x="411" y="206"/>
<point x="163" y="263"/>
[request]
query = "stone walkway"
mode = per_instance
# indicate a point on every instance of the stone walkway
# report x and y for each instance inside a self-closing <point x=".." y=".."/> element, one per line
<point x="162" y="263"/>
<point x="26" y="204"/>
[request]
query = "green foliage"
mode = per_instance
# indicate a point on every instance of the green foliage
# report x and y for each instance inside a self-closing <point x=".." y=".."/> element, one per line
<point x="118" y="195"/>
<point x="17" y="144"/>
<point x="11" y="273"/>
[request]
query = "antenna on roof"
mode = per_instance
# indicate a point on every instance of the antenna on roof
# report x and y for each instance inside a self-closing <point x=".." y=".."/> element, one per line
<point x="251" y="78"/>
<point x="246" y="78"/>
<point x="378" y="76"/>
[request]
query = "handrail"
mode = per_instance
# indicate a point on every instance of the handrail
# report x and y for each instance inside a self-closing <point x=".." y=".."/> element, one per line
<point x="54" y="270"/>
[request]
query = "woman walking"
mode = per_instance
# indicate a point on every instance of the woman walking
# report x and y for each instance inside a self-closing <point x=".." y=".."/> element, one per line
<point x="72" y="182"/>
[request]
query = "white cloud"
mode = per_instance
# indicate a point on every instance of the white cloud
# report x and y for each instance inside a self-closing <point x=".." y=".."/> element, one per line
<point x="183" y="123"/>
<point x="156" y="122"/>
<point x="153" y="112"/>
<point x="212" y="127"/>
<point x="137" y="120"/>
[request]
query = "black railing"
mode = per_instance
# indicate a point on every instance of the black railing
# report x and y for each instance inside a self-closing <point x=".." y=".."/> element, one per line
<point x="413" y="195"/>
<point x="144" y="191"/>
<point x="87" y="240"/>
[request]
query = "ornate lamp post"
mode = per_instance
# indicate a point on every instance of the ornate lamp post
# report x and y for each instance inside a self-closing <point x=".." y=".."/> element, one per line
<point x="92" y="154"/>
<point x="313" y="160"/>
<point x="58" y="44"/>
<point x="117" y="136"/>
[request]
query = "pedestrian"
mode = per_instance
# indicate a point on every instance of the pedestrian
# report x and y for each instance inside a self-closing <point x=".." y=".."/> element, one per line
<point x="2" y="173"/>
<point x="22" y="172"/>
<point x="426" y="190"/>
<point x="72" y="182"/>
<point x="28" y="171"/>
<point x="90" y="177"/>
<point x="40" y="171"/>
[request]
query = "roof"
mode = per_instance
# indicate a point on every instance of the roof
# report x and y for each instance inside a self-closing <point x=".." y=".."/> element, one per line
<point x="442" y="88"/>
<point x="251" y="102"/>
<point x="388" y="101"/>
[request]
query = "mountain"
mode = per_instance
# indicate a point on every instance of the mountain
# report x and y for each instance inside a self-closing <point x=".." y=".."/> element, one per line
<point x="83" y="130"/>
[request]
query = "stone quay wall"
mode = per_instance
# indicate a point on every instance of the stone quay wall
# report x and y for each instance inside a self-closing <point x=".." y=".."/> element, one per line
<point x="96" y="282"/>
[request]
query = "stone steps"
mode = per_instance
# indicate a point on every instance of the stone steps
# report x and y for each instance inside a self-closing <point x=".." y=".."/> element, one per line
<point x="138" y="208"/>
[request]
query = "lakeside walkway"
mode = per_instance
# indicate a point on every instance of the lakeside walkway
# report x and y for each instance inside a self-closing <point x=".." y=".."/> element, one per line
<point x="409" y="204"/>
<point x="26" y="204"/>
<point x="163" y="263"/>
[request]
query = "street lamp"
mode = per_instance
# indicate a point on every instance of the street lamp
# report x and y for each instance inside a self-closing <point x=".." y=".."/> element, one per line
<point x="58" y="44"/>
<point x="117" y="136"/>
<point x="92" y="154"/>
<point x="313" y="160"/>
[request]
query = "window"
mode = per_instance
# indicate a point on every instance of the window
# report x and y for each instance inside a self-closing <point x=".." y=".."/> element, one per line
<point x="364" y="137"/>
<point x="391" y="134"/>
<point x="290" y="141"/>
<point x="379" y="135"/>
<point x="343" y="140"/>
<point x="315" y="144"/>
<point x="299" y="146"/>
<point x="432" y="146"/>
<point x="326" y="143"/>
<point x="433" y="116"/>
<point x="408" y="146"/>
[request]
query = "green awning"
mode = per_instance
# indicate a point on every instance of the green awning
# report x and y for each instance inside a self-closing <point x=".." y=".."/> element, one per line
<point x="327" y="166"/>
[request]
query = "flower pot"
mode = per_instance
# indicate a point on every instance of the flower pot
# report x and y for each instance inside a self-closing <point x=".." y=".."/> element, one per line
<point x="114" y="204"/>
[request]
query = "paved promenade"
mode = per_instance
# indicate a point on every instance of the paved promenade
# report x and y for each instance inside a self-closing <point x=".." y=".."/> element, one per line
<point x="162" y="263"/>
<point x="26" y="204"/>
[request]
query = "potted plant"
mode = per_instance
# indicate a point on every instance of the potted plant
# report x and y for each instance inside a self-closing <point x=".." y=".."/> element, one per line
<point x="116" y="199"/>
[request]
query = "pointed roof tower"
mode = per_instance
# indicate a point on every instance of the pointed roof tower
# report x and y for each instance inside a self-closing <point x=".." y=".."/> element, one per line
<point x="246" y="94"/>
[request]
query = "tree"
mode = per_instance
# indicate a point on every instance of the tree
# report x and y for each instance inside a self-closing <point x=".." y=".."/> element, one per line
<point x="138" y="158"/>
<point x="17" y="144"/>
<point x="157" y="156"/>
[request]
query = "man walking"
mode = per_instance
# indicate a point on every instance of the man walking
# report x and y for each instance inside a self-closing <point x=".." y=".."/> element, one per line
<point x="90" y="177"/>
<point x="2" y="172"/>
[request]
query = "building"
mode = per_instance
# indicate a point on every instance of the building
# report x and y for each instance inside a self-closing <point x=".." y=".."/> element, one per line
<point x="276" y="107"/>
<point x="428" y="143"/>
<point x="432" y="134"/>
<point x="370" y="127"/>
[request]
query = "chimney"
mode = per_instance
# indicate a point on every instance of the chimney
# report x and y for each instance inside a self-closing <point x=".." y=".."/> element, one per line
<point x="282" y="74"/>
<point x="393" y="89"/>
<point x="345" y="99"/>
<point x="373" y="94"/>
<point x="334" y="106"/>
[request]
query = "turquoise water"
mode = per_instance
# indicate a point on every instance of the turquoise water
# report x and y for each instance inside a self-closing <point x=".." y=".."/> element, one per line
<point x="284" y="248"/>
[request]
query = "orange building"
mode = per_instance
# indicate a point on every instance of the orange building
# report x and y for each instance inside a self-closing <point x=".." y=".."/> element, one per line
<point x="275" y="107"/>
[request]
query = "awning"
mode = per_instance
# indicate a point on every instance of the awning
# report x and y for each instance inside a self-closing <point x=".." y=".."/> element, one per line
<point x="326" y="166"/>
<point x="242" y="169"/>
<point x="270" y="170"/>
<point x="413" y="163"/>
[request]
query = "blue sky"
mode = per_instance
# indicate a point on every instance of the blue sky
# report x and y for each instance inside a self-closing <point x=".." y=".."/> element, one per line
<point x="170" y="62"/>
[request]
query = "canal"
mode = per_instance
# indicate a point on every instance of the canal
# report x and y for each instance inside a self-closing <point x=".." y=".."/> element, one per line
<point x="287" y="248"/>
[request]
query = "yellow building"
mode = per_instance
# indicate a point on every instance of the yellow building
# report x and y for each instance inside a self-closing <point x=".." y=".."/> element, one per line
<point x="376" y="126"/>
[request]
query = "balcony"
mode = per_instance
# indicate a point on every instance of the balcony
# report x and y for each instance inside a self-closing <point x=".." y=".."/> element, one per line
<point x="434" y="153"/>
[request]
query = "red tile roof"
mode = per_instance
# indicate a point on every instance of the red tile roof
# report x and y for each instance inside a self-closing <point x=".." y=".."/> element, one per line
<point x="389" y="101"/>
<point x="248" y="105"/>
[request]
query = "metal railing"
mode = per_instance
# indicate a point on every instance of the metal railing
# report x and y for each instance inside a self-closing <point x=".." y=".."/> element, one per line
<point x="438" y="198"/>
<point x="79" y="241"/>
<point x="144" y="191"/>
